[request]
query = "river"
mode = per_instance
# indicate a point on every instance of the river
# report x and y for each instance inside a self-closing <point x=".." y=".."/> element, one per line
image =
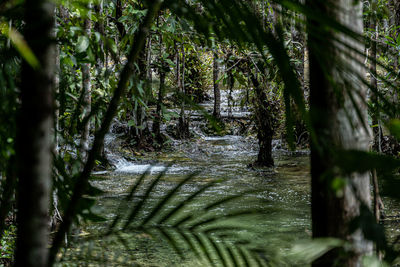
<point x="280" y="196"/>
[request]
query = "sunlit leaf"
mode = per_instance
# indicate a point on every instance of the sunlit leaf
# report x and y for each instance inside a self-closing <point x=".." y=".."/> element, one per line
<point x="20" y="44"/>
<point x="82" y="44"/>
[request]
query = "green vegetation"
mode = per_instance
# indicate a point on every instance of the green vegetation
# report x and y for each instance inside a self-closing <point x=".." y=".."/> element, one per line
<point x="97" y="97"/>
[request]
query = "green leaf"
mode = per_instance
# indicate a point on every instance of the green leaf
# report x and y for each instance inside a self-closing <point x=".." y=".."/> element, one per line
<point x="97" y="36"/>
<point x="312" y="249"/>
<point x="131" y="123"/>
<point x="111" y="45"/>
<point x="20" y="44"/>
<point x="123" y="18"/>
<point x="82" y="44"/>
<point x="394" y="128"/>
<point x="373" y="261"/>
<point x="361" y="161"/>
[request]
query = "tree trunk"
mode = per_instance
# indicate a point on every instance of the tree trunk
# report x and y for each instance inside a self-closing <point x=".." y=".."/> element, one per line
<point x="148" y="68"/>
<point x="99" y="27"/>
<point x="396" y="18"/>
<point x="377" y="131"/>
<point x="8" y="189"/>
<point x="136" y="132"/>
<point x="331" y="109"/>
<point x="264" y="125"/>
<point x="183" y="124"/>
<point x="83" y="180"/>
<point x="87" y="99"/>
<point x="140" y="111"/>
<point x="306" y="74"/>
<point x="118" y="15"/>
<point x="231" y="82"/>
<point x="159" y="115"/>
<point x="56" y="84"/>
<point x="374" y="85"/>
<point x="34" y="137"/>
<point x="217" y="93"/>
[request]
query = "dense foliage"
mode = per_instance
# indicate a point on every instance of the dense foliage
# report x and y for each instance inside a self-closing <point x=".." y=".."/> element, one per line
<point x="143" y="69"/>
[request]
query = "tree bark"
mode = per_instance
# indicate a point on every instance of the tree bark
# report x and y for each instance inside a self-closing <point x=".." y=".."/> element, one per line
<point x="139" y="112"/>
<point x="159" y="115"/>
<point x="330" y="110"/>
<point x="396" y="20"/>
<point x="183" y="124"/>
<point x="148" y="68"/>
<point x="217" y="93"/>
<point x="118" y="15"/>
<point x="231" y="82"/>
<point x="374" y="85"/>
<point x="264" y="125"/>
<point x="8" y="187"/>
<point x="34" y="137"/>
<point x="377" y="131"/>
<point x="87" y="99"/>
<point x="56" y="84"/>
<point x="99" y="27"/>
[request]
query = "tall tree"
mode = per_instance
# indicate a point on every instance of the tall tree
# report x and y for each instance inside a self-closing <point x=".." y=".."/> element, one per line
<point x="118" y="15"/>
<point x="331" y="93"/>
<point x="87" y="98"/>
<point x="377" y="131"/>
<point x="183" y="124"/>
<point x="217" y="93"/>
<point x="265" y="124"/>
<point x="396" y="21"/>
<point x="162" y="69"/>
<point x="81" y="184"/>
<point x="34" y="137"/>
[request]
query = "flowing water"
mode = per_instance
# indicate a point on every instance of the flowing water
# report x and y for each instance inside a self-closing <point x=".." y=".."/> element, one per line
<point x="281" y="193"/>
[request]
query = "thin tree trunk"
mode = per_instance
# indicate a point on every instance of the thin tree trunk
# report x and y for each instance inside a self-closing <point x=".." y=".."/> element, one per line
<point x="306" y="77"/>
<point x="82" y="182"/>
<point x="263" y="12"/>
<point x="177" y="67"/>
<point x="393" y="53"/>
<point x="140" y="112"/>
<point x="183" y="125"/>
<point x="330" y="110"/>
<point x="378" y="204"/>
<point x="148" y="68"/>
<point x="396" y="18"/>
<point x="231" y="83"/>
<point x="159" y="115"/>
<point x="264" y="125"/>
<point x="118" y="15"/>
<point x="8" y="187"/>
<point x="34" y="137"/>
<point x="217" y="92"/>
<point x="56" y="84"/>
<point x="100" y="61"/>
<point x="61" y="107"/>
<point x="87" y="99"/>
<point x="374" y="84"/>
<point x="99" y="27"/>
